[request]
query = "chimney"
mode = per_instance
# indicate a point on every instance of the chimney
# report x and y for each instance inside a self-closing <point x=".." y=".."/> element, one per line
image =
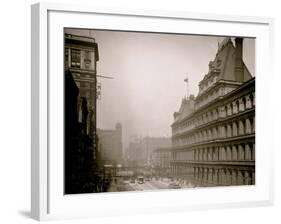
<point x="239" y="70"/>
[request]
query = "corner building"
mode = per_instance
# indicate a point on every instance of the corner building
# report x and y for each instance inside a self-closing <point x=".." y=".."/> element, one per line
<point x="213" y="134"/>
<point x="81" y="56"/>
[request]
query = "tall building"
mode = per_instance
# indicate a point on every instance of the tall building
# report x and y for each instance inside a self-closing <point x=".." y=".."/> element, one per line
<point x="79" y="154"/>
<point x="110" y="145"/>
<point x="213" y="134"/>
<point x="81" y="56"/>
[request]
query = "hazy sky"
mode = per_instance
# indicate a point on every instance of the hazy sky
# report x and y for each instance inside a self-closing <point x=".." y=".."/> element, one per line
<point x="149" y="72"/>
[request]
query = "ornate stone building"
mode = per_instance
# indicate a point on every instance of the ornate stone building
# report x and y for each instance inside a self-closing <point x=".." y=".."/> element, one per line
<point x="213" y="134"/>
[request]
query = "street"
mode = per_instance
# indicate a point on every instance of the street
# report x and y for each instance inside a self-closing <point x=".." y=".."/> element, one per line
<point x="165" y="183"/>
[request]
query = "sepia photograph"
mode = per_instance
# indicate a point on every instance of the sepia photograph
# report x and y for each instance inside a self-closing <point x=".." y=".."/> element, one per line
<point x="150" y="111"/>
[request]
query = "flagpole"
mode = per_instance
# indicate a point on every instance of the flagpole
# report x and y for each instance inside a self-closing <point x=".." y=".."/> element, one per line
<point x="187" y="88"/>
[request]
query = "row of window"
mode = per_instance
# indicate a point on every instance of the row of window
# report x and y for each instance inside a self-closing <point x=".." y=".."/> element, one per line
<point x="212" y="95"/>
<point x="215" y="176"/>
<point x="239" y="105"/>
<point x="224" y="176"/>
<point x="73" y="58"/>
<point x="226" y="153"/>
<point x="231" y="129"/>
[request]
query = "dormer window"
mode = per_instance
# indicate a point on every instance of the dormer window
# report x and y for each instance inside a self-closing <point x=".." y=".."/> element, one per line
<point x="218" y="62"/>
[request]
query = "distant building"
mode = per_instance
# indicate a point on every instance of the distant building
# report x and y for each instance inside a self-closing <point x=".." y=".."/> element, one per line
<point x="110" y="147"/>
<point x="213" y="134"/>
<point x="141" y="150"/>
<point x="161" y="161"/>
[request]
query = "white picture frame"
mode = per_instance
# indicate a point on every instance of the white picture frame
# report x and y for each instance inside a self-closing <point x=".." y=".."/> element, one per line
<point x="48" y="201"/>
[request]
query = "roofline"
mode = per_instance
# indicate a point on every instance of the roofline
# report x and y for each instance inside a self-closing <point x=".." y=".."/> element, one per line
<point x="222" y="98"/>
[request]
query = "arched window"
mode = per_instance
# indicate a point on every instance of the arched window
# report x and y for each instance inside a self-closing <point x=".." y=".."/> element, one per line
<point x="248" y="151"/>
<point x="241" y="152"/>
<point x="215" y="154"/>
<point x="234" y="153"/>
<point x="222" y="153"/>
<point x="245" y="126"/>
<point x="237" y="106"/>
<point x="213" y="133"/>
<point x="229" y="130"/>
<point x="212" y="116"/>
<point x="253" y="124"/>
<point x="244" y="103"/>
<point x="249" y="123"/>
<point x="225" y="110"/>
<point x="234" y="129"/>
<point x="217" y="113"/>
<point x="241" y="127"/>
<point x="251" y="100"/>
<point x="229" y="153"/>
<point x="210" y="134"/>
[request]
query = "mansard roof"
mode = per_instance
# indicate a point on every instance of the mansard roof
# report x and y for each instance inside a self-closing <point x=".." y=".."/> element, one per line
<point x="221" y="68"/>
<point x="186" y="108"/>
<point x="223" y="65"/>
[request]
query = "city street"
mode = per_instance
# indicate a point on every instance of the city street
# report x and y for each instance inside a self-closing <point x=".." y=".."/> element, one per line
<point x="150" y="185"/>
<point x="121" y="185"/>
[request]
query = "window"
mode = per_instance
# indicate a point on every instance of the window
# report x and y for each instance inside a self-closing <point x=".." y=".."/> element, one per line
<point x="252" y="100"/>
<point x="237" y="106"/>
<point x="244" y="103"/>
<point x="66" y="57"/>
<point x="87" y="59"/>
<point x="75" y="58"/>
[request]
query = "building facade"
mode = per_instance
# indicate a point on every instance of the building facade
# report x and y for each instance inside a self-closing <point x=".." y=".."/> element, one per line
<point x="80" y="60"/>
<point x="161" y="161"/>
<point x="213" y="134"/>
<point x="110" y="147"/>
<point x="81" y="56"/>
<point x="141" y="150"/>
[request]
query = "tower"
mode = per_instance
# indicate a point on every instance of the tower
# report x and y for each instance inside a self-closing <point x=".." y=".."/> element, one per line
<point x="239" y="70"/>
